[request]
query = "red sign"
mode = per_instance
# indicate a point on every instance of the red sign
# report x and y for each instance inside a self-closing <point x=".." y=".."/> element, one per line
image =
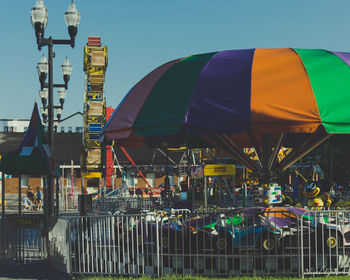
<point x="94" y="41"/>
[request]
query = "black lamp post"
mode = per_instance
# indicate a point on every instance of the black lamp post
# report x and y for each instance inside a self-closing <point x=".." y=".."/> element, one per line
<point x="39" y="18"/>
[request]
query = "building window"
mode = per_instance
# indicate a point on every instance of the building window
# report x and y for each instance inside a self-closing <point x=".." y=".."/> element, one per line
<point x="11" y="129"/>
<point x="79" y="129"/>
<point x="131" y="180"/>
<point x="6" y="129"/>
<point x="62" y="129"/>
<point x="24" y="181"/>
<point x="70" y="129"/>
<point x="151" y="179"/>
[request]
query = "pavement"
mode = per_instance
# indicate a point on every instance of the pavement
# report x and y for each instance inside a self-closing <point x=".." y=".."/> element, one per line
<point x="35" y="270"/>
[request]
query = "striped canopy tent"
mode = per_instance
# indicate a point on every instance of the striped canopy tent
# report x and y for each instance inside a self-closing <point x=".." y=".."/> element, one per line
<point x="259" y="98"/>
<point x="33" y="155"/>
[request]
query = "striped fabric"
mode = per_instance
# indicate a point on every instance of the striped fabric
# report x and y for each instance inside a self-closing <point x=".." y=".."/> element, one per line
<point x="265" y="90"/>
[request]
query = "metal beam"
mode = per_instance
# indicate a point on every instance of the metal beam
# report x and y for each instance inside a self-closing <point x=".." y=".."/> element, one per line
<point x="256" y="147"/>
<point x="275" y="151"/>
<point x="238" y="151"/>
<point x="165" y="155"/>
<point x="228" y="150"/>
<point x="266" y="140"/>
<point x="314" y="141"/>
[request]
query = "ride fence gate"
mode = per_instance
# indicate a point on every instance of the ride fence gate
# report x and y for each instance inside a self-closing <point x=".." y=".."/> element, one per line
<point x="22" y="240"/>
<point x="256" y="241"/>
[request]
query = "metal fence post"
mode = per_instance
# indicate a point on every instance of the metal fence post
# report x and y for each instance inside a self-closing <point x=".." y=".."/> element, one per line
<point x="3" y="234"/>
<point x="301" y="267"/>
<point x="158" y="247"/>
<point x="69" y="261"/>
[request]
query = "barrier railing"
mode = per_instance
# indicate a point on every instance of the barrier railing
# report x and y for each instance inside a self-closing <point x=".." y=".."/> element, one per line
<point x="60" y="245"/>
<point x="22" y="240"/>
<point x="251" y="241"/>
<point x="327" y="236"/>
<point x="113" y="205"/>
<point x="109" y="244"/>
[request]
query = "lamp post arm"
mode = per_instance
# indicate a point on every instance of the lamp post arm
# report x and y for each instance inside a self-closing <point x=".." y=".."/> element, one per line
<point x="77" y="113"/>
<point x="44" y="42"/>
<point x="49" y="41"/>
<point x="59" y="85"/>
<point x="46" y="85"/>
<point x="62" y="42"/>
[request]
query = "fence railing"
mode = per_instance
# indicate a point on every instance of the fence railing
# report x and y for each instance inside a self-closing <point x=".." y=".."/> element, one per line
<point x="22" y="239"/>
<point x="252" y="241"/>
<point x="224" y="242"/>
<point x="60" y="244"/>
<point x="113" y="205"/>
<point x="328" y="238"/>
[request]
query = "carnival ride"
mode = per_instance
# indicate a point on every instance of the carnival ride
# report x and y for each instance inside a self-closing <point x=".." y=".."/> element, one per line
<point x="258" y="98"/>
<point x="246" y="231"/>
<point x="95" y="66"/>
<point x="272" y="101"/>
<point x="266" y="109"/>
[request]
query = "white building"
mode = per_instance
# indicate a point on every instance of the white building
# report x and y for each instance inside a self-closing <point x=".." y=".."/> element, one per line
<point x="69" y="124"/>
<point x="13" y="125"/>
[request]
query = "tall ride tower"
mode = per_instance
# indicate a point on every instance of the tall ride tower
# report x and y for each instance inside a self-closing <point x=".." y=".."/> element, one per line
<point x="95" y="65"/>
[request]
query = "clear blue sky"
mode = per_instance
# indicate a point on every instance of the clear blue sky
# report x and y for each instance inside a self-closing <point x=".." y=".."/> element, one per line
<point x="143" y="34"/>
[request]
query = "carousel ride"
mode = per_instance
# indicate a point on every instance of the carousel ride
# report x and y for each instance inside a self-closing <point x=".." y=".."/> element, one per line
<point x="266" y="100"/>
<point x="265" y="109"/>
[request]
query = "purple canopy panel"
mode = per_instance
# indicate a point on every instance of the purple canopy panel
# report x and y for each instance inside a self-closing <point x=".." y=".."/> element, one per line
<point x="344" y="56"/>
<point x="221" y="99"/>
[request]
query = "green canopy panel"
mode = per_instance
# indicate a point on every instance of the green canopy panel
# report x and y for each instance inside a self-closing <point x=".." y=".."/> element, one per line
<point x="26" y="165"/>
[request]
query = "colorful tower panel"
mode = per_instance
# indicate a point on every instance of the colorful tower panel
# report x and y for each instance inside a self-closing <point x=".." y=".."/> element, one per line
<point x="95" y="65"/>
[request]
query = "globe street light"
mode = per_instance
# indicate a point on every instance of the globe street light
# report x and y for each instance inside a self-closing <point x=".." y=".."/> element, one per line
<point x="59" y="113"/>
<point x="39" y="17"/>
<point x="44" y="113"/>
<point x="43" y="95"/>
<point x="72" y="18"/>
<point x="42" y="68"/>
<point x="66" y="70"/>
<point x="61" y="96"/>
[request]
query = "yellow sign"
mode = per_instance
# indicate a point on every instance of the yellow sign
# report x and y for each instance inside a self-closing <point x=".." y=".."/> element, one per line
<point x="25" y="221"/>
<point x="92" y="175"/>
<point x="219" y="170"/>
